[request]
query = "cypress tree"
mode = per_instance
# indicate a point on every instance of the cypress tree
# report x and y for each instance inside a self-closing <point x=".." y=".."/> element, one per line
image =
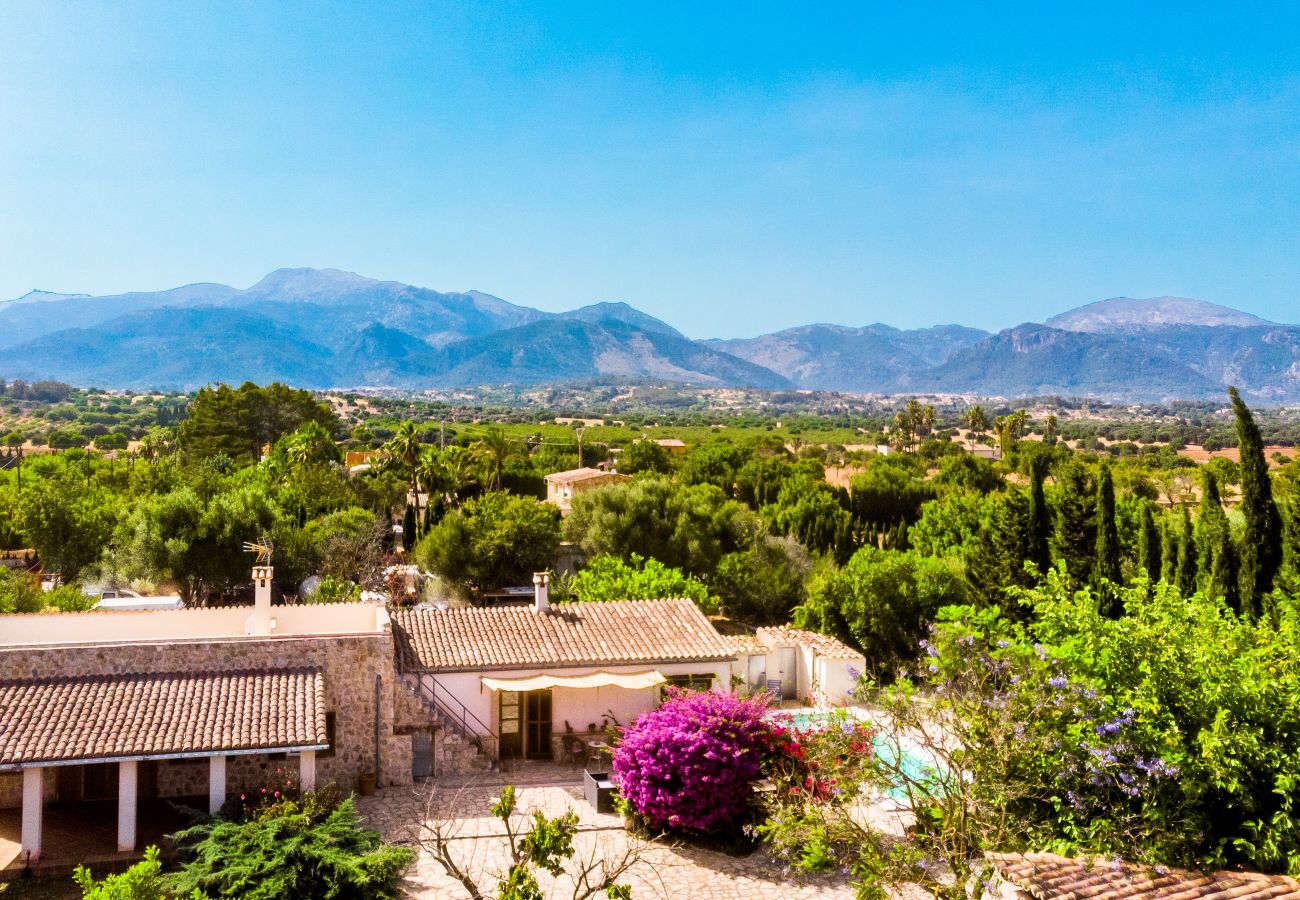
<point x="1211" y="523"/>
<point x="1261" y="549"/>
<point x="408" y="527"/>
<point x="1105" y="568"/>
<point x="1223" y="575"/>
<point x="1187" y="568"/>
<point x="1149" y="544"/>
<point x="1040" y="521"/>
<point x="1076" y="521"/>
<point x="1168" y="553"/>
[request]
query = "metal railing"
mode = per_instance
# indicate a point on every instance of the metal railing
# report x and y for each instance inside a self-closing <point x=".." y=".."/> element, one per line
<point x="451" y="712"/>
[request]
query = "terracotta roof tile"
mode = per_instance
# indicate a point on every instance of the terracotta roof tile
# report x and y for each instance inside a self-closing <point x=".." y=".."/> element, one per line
<point x="108" y="716"/>
<point x="622" y="631"/>
<point x="1047" y="876"/>
<point x="824" y="644"/>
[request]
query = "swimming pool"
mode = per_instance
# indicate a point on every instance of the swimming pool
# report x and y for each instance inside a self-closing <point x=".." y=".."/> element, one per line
<point x="913" y="763"/>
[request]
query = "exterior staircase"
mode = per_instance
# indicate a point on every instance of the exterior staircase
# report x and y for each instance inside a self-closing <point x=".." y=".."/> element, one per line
<point x="462" y="743"/>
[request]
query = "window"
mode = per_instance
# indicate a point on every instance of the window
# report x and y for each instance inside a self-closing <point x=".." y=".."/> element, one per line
<point x="687" y="682"/>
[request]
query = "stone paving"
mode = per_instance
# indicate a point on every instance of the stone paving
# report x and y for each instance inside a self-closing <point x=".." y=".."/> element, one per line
<point x="662" y="872"/>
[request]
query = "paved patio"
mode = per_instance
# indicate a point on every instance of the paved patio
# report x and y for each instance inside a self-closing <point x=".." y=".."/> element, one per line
<point x="662" y="872"/>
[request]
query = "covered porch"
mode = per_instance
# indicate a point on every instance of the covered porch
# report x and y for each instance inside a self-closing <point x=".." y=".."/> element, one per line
<point x="97" y="746"/>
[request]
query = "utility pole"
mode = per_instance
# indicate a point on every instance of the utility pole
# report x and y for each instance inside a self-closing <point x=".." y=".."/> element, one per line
<point x="442" y="435"/>
<point x="578" y="432"/>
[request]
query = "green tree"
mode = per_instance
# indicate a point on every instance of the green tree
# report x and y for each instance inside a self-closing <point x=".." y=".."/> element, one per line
<point x="196" y="543"/>
<point x="67" y="523"/>
<point x="1105" y="571"/>
<point x="763" y="583"/>
<point x="687" y="528"/>
<point x="142" y="881"/>
<point x="610" y="578"/>
<point x="644" y="456"/>
<point x="1188" y="565"/>
<point x="1148" y="543"/>
<point x="494" y="449"/>
<point x="1261" y="547"/>
<point x="1040" y="517"/>
<point x="493" y="540"/>
<point x="882" y="602"/>
<point x="1075" y="541"/>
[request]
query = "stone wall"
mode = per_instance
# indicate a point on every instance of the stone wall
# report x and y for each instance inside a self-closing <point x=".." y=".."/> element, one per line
<point x="350" y="664"/>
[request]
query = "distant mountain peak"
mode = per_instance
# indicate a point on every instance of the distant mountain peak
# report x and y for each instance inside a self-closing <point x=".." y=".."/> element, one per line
<point x="1127" y="313"/>
<point x="618" y="311"/>
<point x="39" y="296"/>
<point x="310" y="282"/>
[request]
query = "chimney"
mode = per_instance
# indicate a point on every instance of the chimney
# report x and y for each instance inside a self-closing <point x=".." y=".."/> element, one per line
<point x="261" y="619"/>
<point x="541" y="591"/>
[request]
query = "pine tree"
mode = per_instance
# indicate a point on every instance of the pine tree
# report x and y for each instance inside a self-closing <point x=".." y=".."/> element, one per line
<point x="1149" y="544"/>
<point x="1105" y="569"/>
<point x="1261" y="548"/>
<point x="1187" y="567"/>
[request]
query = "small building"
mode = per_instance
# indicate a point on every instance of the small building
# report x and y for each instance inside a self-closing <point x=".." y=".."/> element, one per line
<point x="800" y="665"/>
<point x="134" y="707"/>
<point x="675" y="446"/>
<point x="1049" y="876"/>
<point x="562" y="487"/>
<point x="522" y="679"/>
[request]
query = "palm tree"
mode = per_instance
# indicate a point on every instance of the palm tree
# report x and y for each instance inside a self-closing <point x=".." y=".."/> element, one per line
<point x="496" y="448"/>
<point x="457" y="466"/>
<point x="404" y="450"/>
<point x="977" y="422"/>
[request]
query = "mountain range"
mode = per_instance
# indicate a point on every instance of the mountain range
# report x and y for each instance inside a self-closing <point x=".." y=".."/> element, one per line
<point x="324" y="328"/>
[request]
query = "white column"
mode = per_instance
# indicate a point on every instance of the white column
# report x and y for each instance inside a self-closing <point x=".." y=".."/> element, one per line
<point x="33" y="812"/>
<point x="127" y="782"/>
<point x="216" y="783"/>
<point x="307" y="770"/>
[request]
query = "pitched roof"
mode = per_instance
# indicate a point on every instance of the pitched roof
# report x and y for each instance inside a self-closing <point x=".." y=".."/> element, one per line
<point x="824" y="644"/>
<point x="1047" y="876"/>
<point x="577" y="474"/>
<point x="133" y="715"/>
<point x="568" y="634"/>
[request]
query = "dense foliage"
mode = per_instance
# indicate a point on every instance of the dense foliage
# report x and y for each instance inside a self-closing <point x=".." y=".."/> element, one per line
<point x="290" y="850"/>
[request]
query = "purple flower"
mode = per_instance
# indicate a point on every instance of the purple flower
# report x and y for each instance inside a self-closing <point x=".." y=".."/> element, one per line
<point x="1058" y="681"/>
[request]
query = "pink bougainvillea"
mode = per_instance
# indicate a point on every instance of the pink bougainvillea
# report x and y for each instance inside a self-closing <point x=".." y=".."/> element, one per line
<point x="692" y="762"/>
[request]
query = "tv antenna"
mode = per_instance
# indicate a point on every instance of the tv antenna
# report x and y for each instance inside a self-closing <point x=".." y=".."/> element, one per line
<point x="263" y="548"/>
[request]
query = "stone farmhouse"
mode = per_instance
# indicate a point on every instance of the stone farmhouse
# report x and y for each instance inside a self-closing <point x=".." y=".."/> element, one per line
<point x="204" y="704"/>
<point x="562" y="487"/>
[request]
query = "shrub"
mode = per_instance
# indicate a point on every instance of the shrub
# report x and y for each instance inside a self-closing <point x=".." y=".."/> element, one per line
<point x="691" y="764"/>
<point x="291" y="851"/>
<point x="143" y="881"/>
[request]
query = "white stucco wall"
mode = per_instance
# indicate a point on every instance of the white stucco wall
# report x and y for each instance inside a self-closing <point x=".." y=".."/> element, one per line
<point x="837" y="680"/>
<point x="578" y="706"/>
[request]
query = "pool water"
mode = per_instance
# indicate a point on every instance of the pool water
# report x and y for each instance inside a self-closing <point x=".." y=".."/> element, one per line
<point x="914" y="766"/>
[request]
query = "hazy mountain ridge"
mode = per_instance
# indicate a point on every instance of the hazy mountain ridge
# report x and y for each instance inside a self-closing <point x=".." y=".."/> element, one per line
<point x="327" y="328"/>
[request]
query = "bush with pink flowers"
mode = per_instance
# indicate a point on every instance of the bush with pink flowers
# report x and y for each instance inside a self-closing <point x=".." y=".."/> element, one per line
<point x="691" y="764"/>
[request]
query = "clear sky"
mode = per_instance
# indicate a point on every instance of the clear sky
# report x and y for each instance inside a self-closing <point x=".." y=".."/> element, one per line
<point x="732" y="171"/>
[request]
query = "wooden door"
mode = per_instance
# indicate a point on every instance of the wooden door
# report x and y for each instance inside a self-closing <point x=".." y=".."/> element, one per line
<point x="510" y="725"/>
<point x="537" y="725"/>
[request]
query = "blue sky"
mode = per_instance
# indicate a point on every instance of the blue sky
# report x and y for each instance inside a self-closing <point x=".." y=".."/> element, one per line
<point x="732" y="171"/>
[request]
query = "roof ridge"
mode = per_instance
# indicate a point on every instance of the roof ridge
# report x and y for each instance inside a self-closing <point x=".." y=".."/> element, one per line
<point x="177" y="673"/>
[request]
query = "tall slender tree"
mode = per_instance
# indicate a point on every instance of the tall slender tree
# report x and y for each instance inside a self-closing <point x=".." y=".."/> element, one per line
<point x="1214" y="548"/>
<point x="1187" y="565"/>
<point x="1261" y="548"/>
<point x="1149" y="543"/>
<point x="1105" y="570"/>
<point x="1168" y="552"/>
<point x="1040" y="520"/>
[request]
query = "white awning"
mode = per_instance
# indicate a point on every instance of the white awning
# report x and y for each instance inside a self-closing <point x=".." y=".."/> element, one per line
<point x="632" y="680"/>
